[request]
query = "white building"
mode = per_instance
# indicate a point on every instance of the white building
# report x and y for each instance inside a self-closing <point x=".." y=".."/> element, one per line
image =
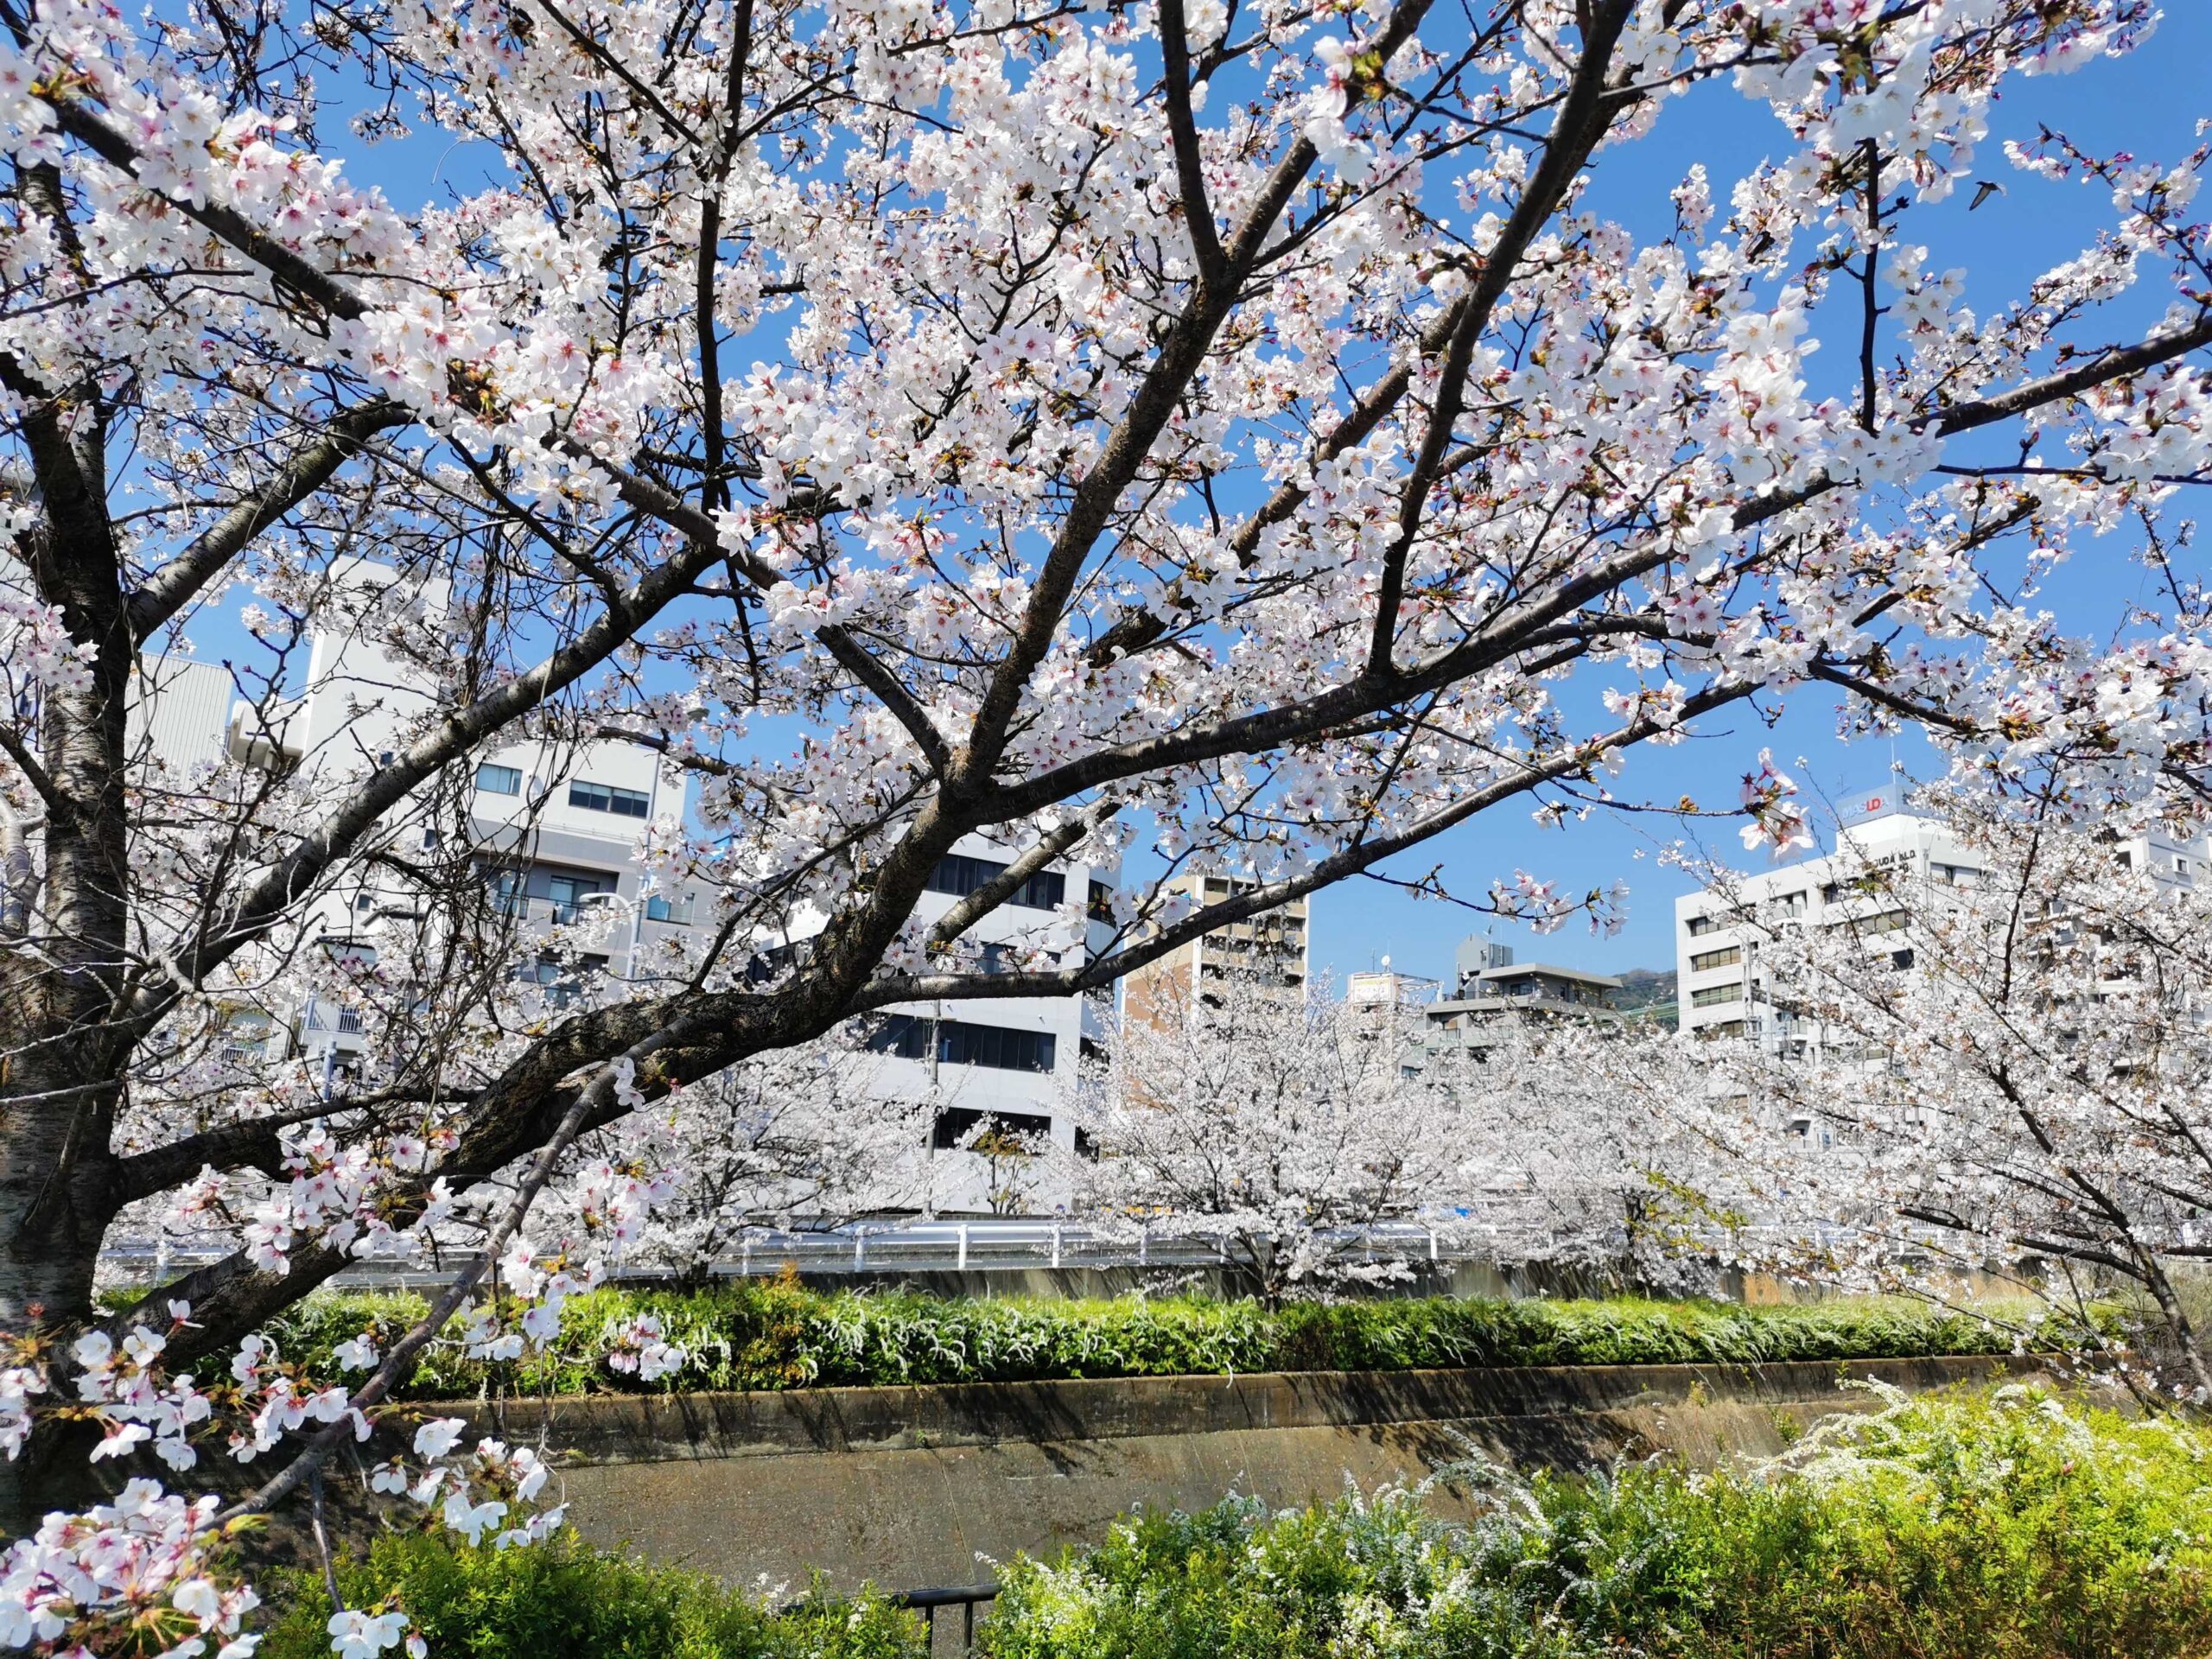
<point x="555" y="833"/>
<point x="178" y="719"/>
<point x="1491" y="994"/>
<point x="1720" y="989"/>
<point x="1003" y="1069"/>
<point x="553" y="830"/>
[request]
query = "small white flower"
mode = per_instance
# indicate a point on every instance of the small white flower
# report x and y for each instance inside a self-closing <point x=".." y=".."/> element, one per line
<point x="355" y="1635"/>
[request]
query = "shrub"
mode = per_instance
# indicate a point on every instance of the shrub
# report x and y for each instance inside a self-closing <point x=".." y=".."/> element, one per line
<point x="775" y="1335"/>
<point x="1999" y="1527"/>
<point x="563" y="1599"/>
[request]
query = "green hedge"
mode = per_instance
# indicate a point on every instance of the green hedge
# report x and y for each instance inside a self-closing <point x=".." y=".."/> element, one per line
<point x="561" y="1599"/>
<point x="776" y="1335"/>
<point x="1947" y="1528"/>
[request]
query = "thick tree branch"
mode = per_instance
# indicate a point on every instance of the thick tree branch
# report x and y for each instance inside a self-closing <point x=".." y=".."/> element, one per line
<point x="299" y="476"/>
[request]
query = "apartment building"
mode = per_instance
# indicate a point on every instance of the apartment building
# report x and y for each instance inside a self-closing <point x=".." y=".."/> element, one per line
<point x="1001" y="1070"/>
<point x="1721" y="988"/>
<point x="554" y="831"/>
<point x="1272" y="946"/>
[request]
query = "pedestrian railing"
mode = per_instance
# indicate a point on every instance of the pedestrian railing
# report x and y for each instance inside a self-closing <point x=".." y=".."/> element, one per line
<point x="966" y="1597"/>
<point x="929" y="1603"/>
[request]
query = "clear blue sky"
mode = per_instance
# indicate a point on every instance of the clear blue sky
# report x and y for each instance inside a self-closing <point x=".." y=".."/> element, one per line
<point x="2149" y="103"/>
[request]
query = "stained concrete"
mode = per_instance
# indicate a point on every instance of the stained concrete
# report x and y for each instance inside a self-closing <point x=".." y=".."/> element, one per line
<point x="908" y="1487"/>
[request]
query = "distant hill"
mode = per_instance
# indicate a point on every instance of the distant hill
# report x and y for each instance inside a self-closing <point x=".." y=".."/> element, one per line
<point x="1648" y="991"/>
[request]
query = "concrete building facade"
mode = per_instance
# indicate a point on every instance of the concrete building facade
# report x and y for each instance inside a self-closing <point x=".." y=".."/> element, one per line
<point x="1272" y="946"/>
<point x="1721" y="988"/>
<point x="1004" y="1071"/>
<point x="1490" y="994"/>
<point x="555" y="832"/>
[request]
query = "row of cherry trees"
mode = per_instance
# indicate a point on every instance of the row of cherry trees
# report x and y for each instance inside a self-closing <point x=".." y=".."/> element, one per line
<point x="1235" y="435"/>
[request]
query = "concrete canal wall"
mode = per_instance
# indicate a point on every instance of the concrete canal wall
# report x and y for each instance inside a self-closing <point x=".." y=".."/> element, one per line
<point x="915" y="1486"/>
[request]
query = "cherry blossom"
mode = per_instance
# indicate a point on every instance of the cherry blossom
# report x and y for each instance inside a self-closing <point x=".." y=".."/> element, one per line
<point x="1252" y="435"/>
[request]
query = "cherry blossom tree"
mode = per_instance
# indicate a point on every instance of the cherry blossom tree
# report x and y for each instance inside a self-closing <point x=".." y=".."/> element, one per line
<point x="1278" y="1123"/>
<point x="800" y="1138"/>
<point x="1615" y="1154"/>
<point x="2012" y="1082"/>
<point x="1222" y="431"/>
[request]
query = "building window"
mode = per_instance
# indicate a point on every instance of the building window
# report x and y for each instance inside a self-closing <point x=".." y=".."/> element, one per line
<point x="1101" y="908"/>
<point x="1890" y="921"/>
<point x="568" y="893"/>
<point x="956" y="1123"/>
<point x="1792" y="904"/>
<point x="957" y="1042"/>
<point x="560" y="984"/>
<point x="1701" y="926"/>
<point x="959" y="874"/>
<point x="1711" y="995"/>
<point x="605" y="797"/>
<point x="498" y="781"/>
<point x="1726" y="1028"/>
<point x="676" y="911"/>
<point x="1700" y="963"/>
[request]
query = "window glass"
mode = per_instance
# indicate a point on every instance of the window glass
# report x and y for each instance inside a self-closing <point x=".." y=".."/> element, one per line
<point x="960" y="875"/>
<point x="606" y="798"/>
<point x="959" y="1042"/>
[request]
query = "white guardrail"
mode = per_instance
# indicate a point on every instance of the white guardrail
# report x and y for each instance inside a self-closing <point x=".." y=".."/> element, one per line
<point x="1005" y="1244"/>
<point x="978" y="1245"/>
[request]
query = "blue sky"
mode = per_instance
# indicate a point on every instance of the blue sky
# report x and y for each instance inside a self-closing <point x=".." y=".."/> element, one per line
<point x="2148" y="103"/>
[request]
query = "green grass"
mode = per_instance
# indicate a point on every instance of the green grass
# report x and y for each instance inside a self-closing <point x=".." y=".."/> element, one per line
<point x="1950" y="1527"/>
<point x="776" y="1335"/>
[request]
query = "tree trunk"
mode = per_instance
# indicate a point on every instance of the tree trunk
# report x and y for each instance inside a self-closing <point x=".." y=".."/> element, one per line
<point x="63" y="1048"/>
